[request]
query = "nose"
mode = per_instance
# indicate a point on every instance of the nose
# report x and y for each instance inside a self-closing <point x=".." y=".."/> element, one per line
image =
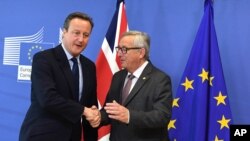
<point x="81" y="37"/>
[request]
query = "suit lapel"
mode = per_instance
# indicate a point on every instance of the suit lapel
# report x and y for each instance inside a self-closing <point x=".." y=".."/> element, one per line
<point x="64" y="65"/>
<point x="144" y="77"/>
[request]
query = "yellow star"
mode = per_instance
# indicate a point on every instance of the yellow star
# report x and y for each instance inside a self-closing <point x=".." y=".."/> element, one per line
<point x="220" y="99"/>
<point x="223" y="122"/>
<point x="210" y="81"/>
<point x="171" y="124"/>
<point x="188" y="84"/>
<point x="175" y="102"/>
<point x="204" y="75"/>
<point x="217" y="139"/>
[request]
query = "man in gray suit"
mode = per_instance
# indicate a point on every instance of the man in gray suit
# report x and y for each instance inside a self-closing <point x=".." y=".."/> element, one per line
<point x="144" y="113"/>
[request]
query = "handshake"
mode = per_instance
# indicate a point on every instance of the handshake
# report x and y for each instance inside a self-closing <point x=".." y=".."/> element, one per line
<point x="93" y="115"/>
<point x="113" y="109"/>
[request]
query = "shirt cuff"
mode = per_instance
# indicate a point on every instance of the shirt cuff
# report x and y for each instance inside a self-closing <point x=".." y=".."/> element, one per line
<point x="128" y="117"/>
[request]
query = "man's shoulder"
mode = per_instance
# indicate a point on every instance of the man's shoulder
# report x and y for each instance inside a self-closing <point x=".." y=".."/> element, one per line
<point x="158" y="72"/>
<point x="86" y="60"/>
<point x="121" y="74"/>
<point x="48" y="53"/>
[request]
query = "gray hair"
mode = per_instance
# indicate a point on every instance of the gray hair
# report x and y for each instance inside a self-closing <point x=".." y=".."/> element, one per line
<point x="141" y="40"/>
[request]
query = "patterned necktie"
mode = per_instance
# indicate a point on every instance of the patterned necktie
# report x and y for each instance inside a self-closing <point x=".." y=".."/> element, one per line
<point x="75" y="71"/>
<point x="126" y="89"/>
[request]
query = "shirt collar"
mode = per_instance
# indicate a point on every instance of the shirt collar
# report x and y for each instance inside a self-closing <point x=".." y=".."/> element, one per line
<point x="138" y="72"/>
<point x="69" y="56"/>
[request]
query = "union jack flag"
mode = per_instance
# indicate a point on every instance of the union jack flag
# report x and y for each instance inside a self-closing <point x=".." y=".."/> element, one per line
<point x="107" y="61"/>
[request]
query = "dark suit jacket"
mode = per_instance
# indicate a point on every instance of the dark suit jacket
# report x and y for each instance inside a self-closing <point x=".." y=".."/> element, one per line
<point x="53" y="112"/>
<point x="149" y="104"/>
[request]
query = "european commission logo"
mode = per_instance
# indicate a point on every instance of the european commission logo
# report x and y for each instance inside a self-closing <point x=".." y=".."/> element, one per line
<point x="19" y="51"/>
<point x="27" y="50"/>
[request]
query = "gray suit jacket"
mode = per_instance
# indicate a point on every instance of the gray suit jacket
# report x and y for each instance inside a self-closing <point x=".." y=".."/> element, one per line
<point x="149" y="104"/>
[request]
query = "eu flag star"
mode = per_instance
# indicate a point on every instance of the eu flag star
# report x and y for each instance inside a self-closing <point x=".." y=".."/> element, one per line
<point x="220" y="99"/>
<point x="204" y="75"/>
<point x="217" y="139"/>
<point x="188" y="84"/>
<point x="224" y="122"/>
<point x="171" y="124"/>
<point x="210" y="81"/>
<point x="175" y="102"/>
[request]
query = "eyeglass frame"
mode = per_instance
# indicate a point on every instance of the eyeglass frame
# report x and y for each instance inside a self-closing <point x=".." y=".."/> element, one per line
<point x="124" y="49"/>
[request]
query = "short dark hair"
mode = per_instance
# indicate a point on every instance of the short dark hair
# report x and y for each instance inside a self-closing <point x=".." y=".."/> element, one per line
<point x="79" y="15"/>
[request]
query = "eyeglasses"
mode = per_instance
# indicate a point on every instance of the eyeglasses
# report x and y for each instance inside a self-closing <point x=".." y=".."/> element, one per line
<point x="124" y="49"/>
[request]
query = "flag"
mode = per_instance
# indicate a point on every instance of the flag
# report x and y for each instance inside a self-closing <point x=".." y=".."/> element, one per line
<point x="28" y="49"/>
<point x="200" y="109"/>
<point x="107" y="61"/>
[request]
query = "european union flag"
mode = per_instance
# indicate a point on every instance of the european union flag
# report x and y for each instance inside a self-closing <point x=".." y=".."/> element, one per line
<point x="27" y="50"/>
<point x="201" y="110"/>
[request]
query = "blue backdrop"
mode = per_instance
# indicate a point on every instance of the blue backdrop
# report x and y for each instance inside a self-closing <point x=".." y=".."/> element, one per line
<point x="28" y="26"/>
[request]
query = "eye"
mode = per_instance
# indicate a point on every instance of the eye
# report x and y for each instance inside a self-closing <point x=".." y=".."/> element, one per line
<point x="76" y="33"/>
<point x="85" y="35"/>
<point x="124" y="49"/>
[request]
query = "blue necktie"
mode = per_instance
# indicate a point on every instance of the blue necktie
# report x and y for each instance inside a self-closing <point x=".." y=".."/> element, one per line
<point x="75" y="71"/>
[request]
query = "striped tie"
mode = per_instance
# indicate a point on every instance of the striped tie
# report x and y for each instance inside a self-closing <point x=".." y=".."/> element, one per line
<point x="126" y="89"/>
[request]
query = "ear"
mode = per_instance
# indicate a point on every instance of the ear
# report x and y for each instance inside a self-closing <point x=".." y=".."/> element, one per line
<point x="142" y="52"/>
<point x="64" y="32"/>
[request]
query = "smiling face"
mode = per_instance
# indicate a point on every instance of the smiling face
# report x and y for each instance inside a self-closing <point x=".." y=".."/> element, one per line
<point x="76" y="37"/>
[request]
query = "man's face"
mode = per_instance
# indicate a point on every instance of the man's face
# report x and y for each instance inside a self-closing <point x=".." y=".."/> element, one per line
<point x="76" y="38"/>
<point x="130" y="60"/>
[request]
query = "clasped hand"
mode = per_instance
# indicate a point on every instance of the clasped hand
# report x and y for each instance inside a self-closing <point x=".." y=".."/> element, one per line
<point x="114" y="111"/>
<point x="93" y="115"/>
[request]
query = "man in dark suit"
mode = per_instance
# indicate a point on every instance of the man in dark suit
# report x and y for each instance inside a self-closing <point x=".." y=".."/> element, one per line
<point x="144" y="114"/>
<point x="59" y="100"/>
